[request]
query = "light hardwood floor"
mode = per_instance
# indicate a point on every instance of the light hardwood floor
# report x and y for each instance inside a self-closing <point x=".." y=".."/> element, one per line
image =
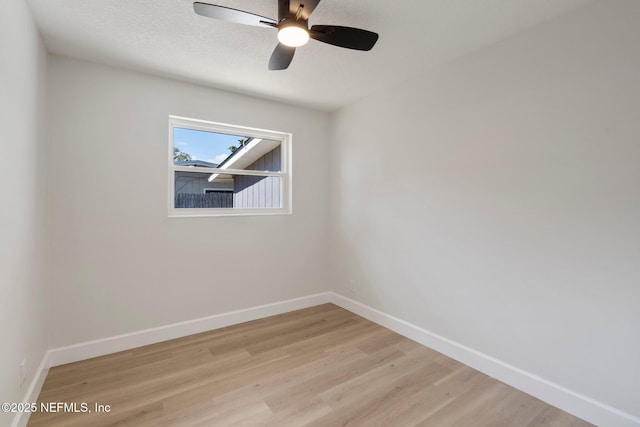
<point x="321" y="366"/>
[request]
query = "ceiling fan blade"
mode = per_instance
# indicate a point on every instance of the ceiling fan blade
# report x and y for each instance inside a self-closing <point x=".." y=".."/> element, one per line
<point x="351" y="38"/>
<point x="281" y="57"/>
<point x="308" y="7"/>
<point x="232" y="15"/>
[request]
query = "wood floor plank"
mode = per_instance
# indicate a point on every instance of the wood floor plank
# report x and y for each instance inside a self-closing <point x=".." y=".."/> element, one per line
<point x="330" y="378"/>
<point x="461" y="409"/>
<point x="554" y="417"/>
<point x="321" y="366"/>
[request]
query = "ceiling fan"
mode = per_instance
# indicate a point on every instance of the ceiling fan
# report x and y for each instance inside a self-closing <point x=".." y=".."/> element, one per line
<point x="293" y="28"/>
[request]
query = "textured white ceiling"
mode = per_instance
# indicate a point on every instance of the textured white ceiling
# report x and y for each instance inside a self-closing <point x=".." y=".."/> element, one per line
<point x="165" y="37"/>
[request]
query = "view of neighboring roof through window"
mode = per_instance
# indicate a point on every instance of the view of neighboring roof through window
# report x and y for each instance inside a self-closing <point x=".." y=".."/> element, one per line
<point x="218" y="173"/>
<point x="201" y="148"/>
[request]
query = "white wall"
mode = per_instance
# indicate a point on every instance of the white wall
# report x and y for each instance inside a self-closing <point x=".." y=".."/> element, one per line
<point x="493" y="201"/>
<point x="496" y="202"/>
<point x="22" y="79"/>
<point x="119" y="264"/>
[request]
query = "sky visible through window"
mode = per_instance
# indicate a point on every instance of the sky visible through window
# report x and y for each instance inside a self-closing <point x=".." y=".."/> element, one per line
<point x="201" y="145"/>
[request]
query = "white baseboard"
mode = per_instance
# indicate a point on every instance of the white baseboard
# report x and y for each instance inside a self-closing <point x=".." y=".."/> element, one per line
<point x="21" y="418"/>
<point x="584" y="407"/>
<point x="100" y="347"/>
<point x="575" y="403"/>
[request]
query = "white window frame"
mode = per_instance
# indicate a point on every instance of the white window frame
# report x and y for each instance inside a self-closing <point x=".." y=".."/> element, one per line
<point x="208" y="126"/>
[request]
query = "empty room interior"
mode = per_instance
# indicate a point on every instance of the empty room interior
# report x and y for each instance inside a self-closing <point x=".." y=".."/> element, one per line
<point x="423" y="213"/>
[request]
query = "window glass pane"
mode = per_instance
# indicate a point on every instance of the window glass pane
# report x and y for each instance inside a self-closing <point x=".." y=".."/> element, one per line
<point x="211" y="149"/>
<point x="256" y="192"/>
<point x="221" y="169"/>
<point x="194" y="190"/>
<point x="255" y="154"/>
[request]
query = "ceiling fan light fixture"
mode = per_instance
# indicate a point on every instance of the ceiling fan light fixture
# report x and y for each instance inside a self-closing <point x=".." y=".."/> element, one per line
<point x="293" y="28"/>
<point x="293" y="35"/>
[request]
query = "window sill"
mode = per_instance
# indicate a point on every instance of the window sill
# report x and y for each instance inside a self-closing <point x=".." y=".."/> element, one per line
<point x="199" y="213"/>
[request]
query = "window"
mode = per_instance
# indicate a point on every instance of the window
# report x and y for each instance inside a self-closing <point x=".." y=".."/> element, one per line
<point x="219" y="169"/>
